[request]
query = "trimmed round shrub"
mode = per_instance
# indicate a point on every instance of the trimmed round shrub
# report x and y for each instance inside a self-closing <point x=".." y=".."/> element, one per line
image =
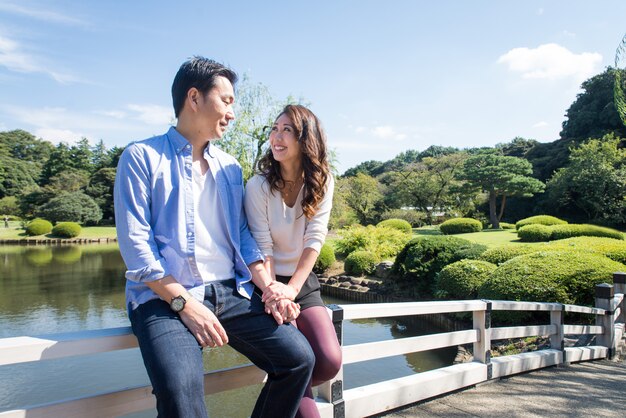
<point x="534" y="233"/>
<point x="506" y="225"/>
<point x="414" y="217"/>
<point x="66" y="230"/>
<point x="460" y="226"/>
<point x="423" y="257"/>
<point x="577" y="230"/>
<point x="384" y="242"/>
<point x="325" y="259"/>
<point x="473" y="251"/>
<point x="550" y="276"/>
<point x="399" y="224"/>
<point x="38" y="227"/>
<point x="360" y="263"/>
<point x="504" y="253"/>
<point x="541" y="220"/>
<point x="461" y="280"/>
<point x="609" y="247"/>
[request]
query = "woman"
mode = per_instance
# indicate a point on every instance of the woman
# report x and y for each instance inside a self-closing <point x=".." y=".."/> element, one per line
<point x="288" y="206"/>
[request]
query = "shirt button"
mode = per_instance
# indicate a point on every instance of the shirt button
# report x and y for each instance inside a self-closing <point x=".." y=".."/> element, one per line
<point x="190" y="258"/>
<point x="189" y="234"/>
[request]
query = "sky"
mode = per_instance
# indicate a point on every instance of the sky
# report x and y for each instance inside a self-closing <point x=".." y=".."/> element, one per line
<point x="383" y="76"/>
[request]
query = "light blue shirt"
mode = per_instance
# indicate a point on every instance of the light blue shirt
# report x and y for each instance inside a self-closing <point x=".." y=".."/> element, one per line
<point x="154" y="215"/>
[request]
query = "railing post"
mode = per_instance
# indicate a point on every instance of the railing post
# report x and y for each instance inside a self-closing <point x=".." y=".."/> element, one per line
<point x="557" y="341"/>
<point x="619" y="284"/>
<point x="482" y="348"/>
<point x="332" y="390"/>
<point x="604" y="300"/>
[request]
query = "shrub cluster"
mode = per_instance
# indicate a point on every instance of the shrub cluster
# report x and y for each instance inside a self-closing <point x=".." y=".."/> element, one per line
<point x="609" y="247"/>
<point x="506" y="225"/>
<point x="462" y="279"/>
<point x="325" y="259"/>
<point x="360" y="263"/>
<point x="460" y="226"/>
<point x="382" y="241"/>
<point x="541" y="220"/>
<point x="66" y="230"/>
<point x="534" y="233"/>
<point x="399" y="224"/>
<point x="423" y="257"/>
<point x="575" y="230"/>
<point x="38" y="227"/>
<point x="504" y="253"/>
<point x="555" y="276"/>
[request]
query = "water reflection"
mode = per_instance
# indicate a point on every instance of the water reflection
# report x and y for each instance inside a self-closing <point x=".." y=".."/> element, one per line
<point x="47" y="290"/>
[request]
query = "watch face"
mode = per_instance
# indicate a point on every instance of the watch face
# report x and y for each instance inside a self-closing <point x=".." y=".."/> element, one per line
<point x="178" y="303"/>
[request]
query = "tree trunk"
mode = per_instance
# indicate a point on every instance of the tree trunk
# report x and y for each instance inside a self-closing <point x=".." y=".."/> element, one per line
<point x="502" y="203"/>
<point x="493" y="218"/>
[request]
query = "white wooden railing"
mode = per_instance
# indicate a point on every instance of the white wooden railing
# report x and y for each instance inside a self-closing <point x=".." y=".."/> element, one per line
<point x="369" y="399"/>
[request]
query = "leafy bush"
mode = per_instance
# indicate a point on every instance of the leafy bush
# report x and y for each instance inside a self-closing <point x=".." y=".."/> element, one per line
<point x="384" y="242"/>
<point x="460" y="226"/>
<point x="504" y="253"/>
<point x="38" y="227"/>
<point x="541" y="220"/>
<point x="423" y="257"/>
<point x="66" y="230"/>
<point x="534" y="233"/>
<point x="461" y="280"/>
<point x="576" y="230"/>
<point x="550" y="276"/>
<point x="359" y="263"/>
<point x="414" y="217"/>
<point x="506" y="225"/>
<point x="399" y="224"/>
<point x="609" y="247"/>
<point x="75" y="206"/>
<point x="325" y="259"/>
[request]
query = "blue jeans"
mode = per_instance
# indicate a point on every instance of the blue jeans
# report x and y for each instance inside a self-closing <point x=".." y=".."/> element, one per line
<point x="173" y="357"/>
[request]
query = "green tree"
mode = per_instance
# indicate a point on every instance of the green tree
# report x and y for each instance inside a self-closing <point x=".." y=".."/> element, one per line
<point x="101" y="190"/>
<point x="8" y="206"/>
<point x="429" y="185"/>
<point x="59" y="161"/>
<point x="363" y="194"/>
<point x="593" y="114"/>
<point x="500" y="176"/>
<point x="100" y="156"/>
<point x="255" y="111"/>
<point x="518" y="147"/>
<point x="594" y="182"/>
<point x="71" y="207"/>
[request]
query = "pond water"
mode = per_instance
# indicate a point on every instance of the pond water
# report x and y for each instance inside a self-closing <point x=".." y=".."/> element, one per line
<point x="56" y="289"/>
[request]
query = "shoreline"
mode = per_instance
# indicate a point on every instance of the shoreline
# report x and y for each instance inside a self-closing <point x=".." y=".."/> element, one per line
<point x="56" y="241"/>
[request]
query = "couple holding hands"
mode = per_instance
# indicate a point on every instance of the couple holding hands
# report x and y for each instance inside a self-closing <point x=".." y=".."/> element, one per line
<point x="208" y="264"/>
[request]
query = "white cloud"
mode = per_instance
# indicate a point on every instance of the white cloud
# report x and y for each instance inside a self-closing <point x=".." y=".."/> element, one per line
<point x="568" y="34"/>
<point x="152" y="114"/>
<point x="14" y="58"/>
<point x="540" y="11"/>
<point x="552" y="62"/>
<point x="44" y="15"/>
<point x="360" y="129"/>
<point x="541" y="124"/>
<point x="383" y="132"/>
<point x="60" y="135"/>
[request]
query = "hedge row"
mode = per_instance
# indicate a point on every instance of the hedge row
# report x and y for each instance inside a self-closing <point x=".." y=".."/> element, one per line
<point x="540" y="220"/>
<point x="460" y="226"/>
<point x="542" y="233"/>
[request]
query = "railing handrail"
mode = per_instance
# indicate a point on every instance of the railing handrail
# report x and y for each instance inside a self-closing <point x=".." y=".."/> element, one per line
<point x="609" y="307"/>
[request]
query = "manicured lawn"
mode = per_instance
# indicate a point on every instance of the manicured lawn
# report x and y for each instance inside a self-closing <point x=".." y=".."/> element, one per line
<point x="15" y="231"/>
<point x="490" y="238"/>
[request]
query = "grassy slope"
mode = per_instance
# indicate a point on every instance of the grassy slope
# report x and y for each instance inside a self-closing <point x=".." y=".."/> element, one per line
<point x="16" y="232"/>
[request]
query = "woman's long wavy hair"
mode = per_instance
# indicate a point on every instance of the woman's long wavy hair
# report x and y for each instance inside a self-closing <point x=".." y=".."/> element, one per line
<point x="312" y="140"/>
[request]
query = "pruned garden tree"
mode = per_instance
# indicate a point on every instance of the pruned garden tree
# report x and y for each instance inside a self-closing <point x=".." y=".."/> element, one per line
<point x="500" y="176"/>
<point x="362" y="193"/>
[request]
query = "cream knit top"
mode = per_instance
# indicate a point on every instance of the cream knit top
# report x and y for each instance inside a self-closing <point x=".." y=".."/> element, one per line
<point x="283" y="232"/>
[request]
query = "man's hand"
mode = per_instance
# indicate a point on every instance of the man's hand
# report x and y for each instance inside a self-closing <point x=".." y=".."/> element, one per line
<point x="203" y="324"/>
<point x="276" y="291"/>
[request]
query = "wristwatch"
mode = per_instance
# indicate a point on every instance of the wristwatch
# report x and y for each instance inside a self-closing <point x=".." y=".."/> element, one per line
<point x="178" y="302"/>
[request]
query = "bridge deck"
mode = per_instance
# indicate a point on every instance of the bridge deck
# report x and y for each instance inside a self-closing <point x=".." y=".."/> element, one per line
<point x="589" y="389"/>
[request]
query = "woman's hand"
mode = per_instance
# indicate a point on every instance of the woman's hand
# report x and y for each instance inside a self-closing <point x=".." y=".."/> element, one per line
<point x="276" y="291"/>
<point x="203" y="324"/>
<point x="283" y="310"/>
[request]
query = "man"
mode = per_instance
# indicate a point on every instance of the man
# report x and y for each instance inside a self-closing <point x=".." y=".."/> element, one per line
<point x="191" y="259"/>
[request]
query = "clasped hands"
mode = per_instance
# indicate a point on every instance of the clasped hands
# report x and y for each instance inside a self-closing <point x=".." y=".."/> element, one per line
<point x="279" y="302"/>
